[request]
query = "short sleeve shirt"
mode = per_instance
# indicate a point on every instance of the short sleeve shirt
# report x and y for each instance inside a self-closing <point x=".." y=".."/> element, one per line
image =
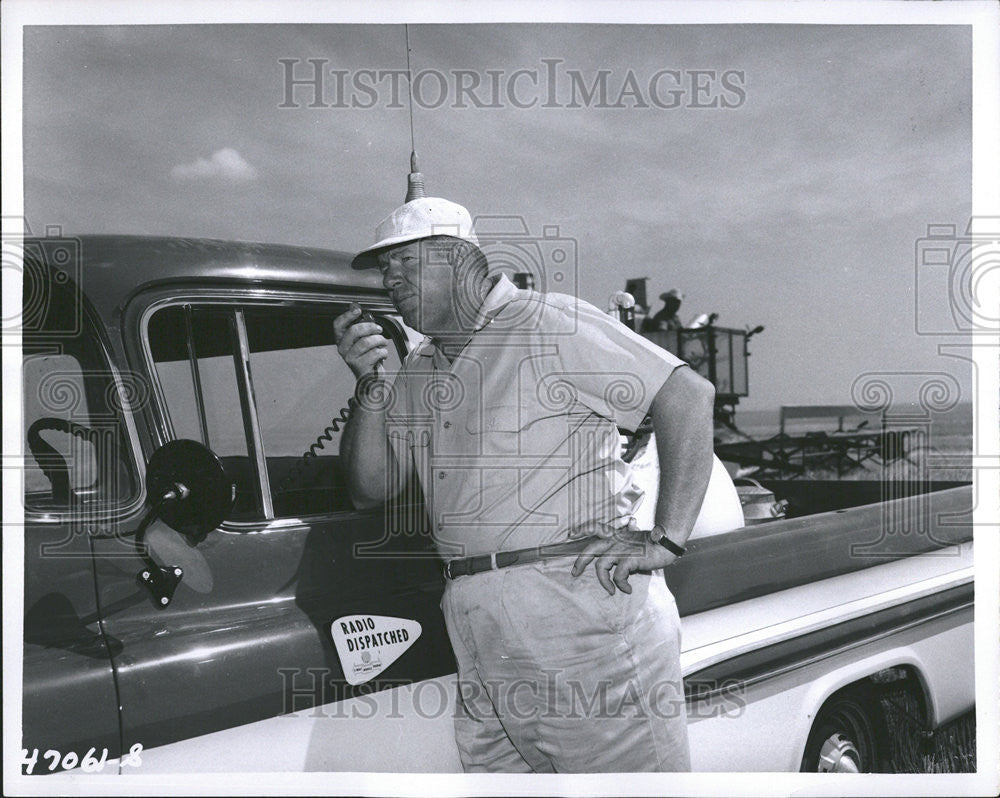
<point x="516" y="442"/>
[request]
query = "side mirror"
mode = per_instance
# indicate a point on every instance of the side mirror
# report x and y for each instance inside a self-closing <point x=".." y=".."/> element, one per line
<point x="189" y="490"/>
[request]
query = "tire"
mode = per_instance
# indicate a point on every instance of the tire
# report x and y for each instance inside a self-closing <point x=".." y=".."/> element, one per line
<point x="849" y="735"/>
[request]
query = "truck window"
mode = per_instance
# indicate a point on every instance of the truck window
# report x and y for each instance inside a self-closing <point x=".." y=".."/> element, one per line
<point x="193" y="352"/>
<point x="289" y="421"/>
<point x="77" y="454"/>
<point x="302" y="387"/>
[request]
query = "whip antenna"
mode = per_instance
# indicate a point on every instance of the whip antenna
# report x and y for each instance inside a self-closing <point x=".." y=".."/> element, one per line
<point x="415" y="180"/>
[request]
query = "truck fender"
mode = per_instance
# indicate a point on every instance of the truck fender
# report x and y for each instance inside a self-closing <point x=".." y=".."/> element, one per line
<point x="851" y="673"/>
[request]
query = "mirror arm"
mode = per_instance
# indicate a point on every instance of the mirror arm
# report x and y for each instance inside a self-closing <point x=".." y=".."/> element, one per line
<point x="189" y="491"/>
<point x="161" y="580"/>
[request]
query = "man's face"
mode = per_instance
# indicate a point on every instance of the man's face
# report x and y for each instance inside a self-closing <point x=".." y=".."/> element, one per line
<point x="419" y="279"/>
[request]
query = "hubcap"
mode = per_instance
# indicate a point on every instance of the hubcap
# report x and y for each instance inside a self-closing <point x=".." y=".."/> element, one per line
<point x="838" y="755"/>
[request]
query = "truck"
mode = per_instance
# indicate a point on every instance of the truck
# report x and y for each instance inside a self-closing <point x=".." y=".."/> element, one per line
<point x="201" y="595"/>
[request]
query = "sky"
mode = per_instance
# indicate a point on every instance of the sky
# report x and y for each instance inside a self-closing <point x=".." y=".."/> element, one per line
<point x="799" y="207"/>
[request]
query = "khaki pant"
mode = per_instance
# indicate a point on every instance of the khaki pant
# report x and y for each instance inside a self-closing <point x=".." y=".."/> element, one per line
<point x="556" y="676"/>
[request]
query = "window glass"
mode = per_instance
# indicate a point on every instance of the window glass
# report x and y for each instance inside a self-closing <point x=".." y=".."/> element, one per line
<point x="302" y="387"/>
<point x="193" y="349"/>
<point x="693" y="349"/>
<point x="77" y="453"/>
<point x="300" y="390"/>
<point x="723" y="362"/>
<point x="739" y="343"/>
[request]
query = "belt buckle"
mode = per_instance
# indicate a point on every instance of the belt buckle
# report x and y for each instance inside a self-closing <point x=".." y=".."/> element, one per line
<point x="493" y="561"/>
<point x="447" y="570"/>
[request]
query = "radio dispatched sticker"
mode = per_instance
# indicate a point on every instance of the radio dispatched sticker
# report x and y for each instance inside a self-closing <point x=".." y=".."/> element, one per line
<point x="368" y="644"/>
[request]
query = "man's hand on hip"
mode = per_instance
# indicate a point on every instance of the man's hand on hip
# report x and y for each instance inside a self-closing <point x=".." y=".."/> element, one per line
<point x="618" y="553"/>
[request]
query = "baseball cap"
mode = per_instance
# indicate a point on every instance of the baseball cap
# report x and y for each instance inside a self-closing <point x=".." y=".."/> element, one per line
<point x="416" y="219"/>
<point x="673" y="292"/>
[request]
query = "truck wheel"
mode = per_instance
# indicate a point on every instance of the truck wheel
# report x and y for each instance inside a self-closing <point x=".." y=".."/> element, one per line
<point x="848" y="735"/>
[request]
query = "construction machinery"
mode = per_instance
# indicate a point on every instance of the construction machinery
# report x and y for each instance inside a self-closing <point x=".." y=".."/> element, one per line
<point x="807" y="440"/>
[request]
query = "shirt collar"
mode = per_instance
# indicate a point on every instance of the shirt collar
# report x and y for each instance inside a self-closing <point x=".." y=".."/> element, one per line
<point x="497" y="299"/>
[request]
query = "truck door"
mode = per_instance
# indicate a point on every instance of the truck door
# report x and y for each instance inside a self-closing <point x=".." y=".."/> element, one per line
<point x="273" y="610"/>
<point x="79" y="475"/>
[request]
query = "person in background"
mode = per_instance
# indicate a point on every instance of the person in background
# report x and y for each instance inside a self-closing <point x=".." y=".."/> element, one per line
<point x="666" y="318"/>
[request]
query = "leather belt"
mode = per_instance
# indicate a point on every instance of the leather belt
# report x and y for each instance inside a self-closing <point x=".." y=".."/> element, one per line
<point x="467" y="566"/>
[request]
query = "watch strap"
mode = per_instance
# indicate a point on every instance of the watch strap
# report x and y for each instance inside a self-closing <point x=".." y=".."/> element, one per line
<point x="658" y="535"/>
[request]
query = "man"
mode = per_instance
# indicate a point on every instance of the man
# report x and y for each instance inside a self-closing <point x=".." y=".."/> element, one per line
<point x="507" y="415"/>
<point x="665" y="318"/>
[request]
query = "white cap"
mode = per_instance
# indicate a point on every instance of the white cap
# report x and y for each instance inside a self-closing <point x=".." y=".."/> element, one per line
<point x="621" y="299"/>
<point x="418" y="218"/>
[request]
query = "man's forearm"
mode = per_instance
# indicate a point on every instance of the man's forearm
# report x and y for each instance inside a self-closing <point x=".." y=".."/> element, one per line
<point x="682" y="420"/>
<point x="364" y="449"/>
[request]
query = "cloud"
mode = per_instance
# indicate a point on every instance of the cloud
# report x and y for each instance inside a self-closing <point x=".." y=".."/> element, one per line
<point x="224" y="164"/>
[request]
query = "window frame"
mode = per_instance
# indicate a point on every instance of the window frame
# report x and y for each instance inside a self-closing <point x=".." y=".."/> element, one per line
<point x="162" y="428"/>
<point x="98" y="513"/>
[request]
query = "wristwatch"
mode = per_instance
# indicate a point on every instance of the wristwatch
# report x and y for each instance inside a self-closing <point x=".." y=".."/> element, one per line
<point x="659" y="535"/>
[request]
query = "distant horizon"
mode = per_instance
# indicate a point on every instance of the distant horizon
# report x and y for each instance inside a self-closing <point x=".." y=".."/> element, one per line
<point x="777" y="408"/>
<point x="765" y="422"/>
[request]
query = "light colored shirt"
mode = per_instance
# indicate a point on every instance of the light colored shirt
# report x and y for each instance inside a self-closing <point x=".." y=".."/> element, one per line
<point x="515" y="443"/>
